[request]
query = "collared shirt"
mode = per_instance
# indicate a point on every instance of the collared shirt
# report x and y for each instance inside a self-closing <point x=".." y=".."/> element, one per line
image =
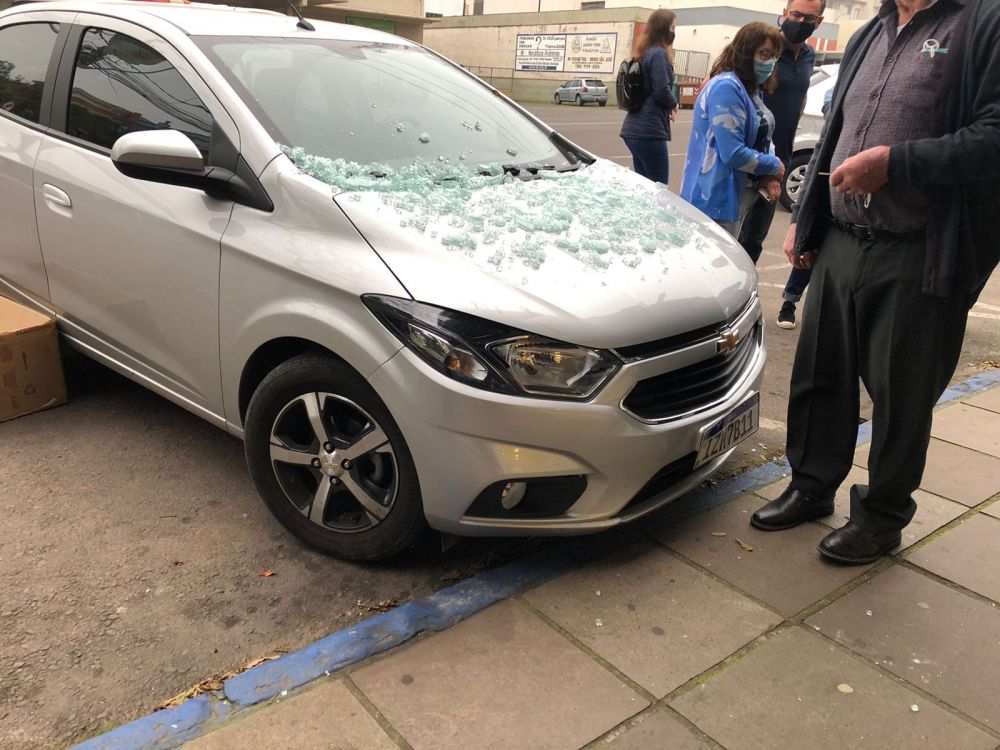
<point x="785" y="103"/>
<point x="892" y="100"/>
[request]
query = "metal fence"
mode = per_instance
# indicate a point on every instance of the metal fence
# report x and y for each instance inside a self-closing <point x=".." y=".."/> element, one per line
<point x="500" y="78"/>
<point x="689" y="64"/>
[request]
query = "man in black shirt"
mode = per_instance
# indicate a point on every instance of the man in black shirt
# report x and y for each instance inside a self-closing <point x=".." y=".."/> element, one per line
<point x="795" y="66"/>
<point x="897" y="219"/>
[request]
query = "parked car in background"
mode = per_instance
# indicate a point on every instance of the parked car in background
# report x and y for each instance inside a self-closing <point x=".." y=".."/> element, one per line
<point x="582" y="90"/>
<point x="458" y="319"/>
<point x="824" y="78"/>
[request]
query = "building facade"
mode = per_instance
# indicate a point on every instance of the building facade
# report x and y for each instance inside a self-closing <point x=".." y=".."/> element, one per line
<point x="528" y="54"/>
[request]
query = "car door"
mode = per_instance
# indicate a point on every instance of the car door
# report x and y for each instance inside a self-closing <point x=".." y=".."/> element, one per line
<point x="133" y="266"/>
<point x="29" y="45"/>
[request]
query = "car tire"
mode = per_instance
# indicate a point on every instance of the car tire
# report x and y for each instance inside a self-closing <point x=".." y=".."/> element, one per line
<point x="579" y="101"/>
<point x="558" y="99"/>
<point x="794" y="178"/>
<point x="372" y="508"/>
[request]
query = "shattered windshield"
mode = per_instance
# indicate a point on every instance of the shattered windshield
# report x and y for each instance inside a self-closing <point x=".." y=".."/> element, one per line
<point x="365" y="102"/>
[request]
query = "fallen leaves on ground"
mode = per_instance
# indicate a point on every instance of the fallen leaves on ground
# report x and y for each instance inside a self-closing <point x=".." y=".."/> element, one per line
<point x="718" y="533"/>
<point x="214" y="682"/>
<point x="746" y="547"/>
<point x="266" y="573"/>
<point x="383" y="606"/>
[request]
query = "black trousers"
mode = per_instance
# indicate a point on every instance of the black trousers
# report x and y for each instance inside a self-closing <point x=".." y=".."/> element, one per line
<point x="866" y="316"/>
<point x="756" y="225"/>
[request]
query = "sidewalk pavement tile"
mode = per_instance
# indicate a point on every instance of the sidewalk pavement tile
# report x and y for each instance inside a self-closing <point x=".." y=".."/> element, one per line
<point x="784" y="569"/>
<point x="501" y="679"/>
<point x="657" y="730"/>
<point x="960" y="474"/>
<point x="327" y="717"/>
<point x="787" y="695"/>
<point x="969" y="426"/>
<point x="968" y="554"/>
<point x="935" y="637"/>
<point x="993" y="510"/>
<point x="655" y="618"/>
<point x="988" y="399"/>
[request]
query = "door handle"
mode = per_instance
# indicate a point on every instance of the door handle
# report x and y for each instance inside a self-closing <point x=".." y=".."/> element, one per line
<point x="54" y="195"/>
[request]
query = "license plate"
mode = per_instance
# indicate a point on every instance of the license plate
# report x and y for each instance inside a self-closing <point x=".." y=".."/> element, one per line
<point x="736" y="426"/>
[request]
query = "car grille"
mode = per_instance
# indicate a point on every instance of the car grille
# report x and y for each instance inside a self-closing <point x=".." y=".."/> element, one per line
<point x="651" y="349"/>
<point x="692" y="388"/>
<point x="671" y="474"/>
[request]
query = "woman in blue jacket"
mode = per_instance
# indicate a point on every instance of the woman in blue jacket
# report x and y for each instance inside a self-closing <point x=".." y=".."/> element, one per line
<point x="647" y="131"/>
<point x="730" y="156"/>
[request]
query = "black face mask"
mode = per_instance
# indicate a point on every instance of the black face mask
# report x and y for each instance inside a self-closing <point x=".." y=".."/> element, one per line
<point x="670" y="37"/>
<point x="796" y="32"/>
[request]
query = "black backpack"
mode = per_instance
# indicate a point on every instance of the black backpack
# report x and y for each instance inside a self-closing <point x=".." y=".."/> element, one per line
<point x="630" y="86"/>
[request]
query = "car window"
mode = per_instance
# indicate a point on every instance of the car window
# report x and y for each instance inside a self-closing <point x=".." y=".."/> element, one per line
<point x="594" y="82"/>
<point x="375" y="103"/>
<point x="121" y="85"/>
<point x="25" y="51"/>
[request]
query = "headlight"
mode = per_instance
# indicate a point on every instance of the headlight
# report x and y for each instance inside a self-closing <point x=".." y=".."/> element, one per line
<point x="546" y="367"/>
<point x="491" y="356"/>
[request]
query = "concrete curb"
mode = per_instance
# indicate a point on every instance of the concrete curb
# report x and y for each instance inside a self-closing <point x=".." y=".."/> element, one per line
<point x="172" y="727"/>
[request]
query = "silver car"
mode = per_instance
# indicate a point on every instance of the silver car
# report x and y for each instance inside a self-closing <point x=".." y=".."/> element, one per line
<point x="371" y="267"/>
<point x="582" y="90"/>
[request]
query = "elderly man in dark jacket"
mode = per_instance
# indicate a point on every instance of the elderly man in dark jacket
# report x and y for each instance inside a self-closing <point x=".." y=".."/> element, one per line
<point x="899" y="222"/>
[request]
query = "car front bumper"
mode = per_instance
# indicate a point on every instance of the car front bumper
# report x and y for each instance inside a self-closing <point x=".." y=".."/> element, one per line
<point x="464" y="440"/>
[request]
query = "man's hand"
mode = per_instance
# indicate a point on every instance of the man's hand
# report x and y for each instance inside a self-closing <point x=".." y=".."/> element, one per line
<point x="799" y="261"/>
<point x="862" y="173"/>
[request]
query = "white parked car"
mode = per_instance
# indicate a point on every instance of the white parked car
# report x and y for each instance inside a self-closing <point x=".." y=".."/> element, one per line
<point x="414" y="301"/>
<point x="824" y="78"/>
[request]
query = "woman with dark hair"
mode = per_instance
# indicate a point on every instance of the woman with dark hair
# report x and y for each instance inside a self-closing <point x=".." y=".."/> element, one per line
<point x="730" y="157"/>
<point x="647" y="131"/>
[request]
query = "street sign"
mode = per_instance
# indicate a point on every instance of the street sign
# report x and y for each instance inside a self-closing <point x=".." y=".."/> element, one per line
<point x="566" y="53"/>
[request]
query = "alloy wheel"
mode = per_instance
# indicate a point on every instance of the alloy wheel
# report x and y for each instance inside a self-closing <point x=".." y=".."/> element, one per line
<point x="794" y="182"/>
<point x="334" y="462"/>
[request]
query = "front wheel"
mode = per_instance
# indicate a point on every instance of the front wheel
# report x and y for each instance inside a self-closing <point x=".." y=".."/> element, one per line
<point x="795" y="177"/>
<point x="330" y="462"/>
<point x="558" y="99"/>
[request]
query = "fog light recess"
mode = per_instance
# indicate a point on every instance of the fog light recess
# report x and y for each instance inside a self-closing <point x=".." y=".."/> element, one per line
<point x="541" y="497"/>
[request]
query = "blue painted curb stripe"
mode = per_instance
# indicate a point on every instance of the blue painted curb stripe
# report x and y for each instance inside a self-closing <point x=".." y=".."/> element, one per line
<point x="164" y="729"/>
<point x="438" y="611"/>
<point x="430" y="613"/>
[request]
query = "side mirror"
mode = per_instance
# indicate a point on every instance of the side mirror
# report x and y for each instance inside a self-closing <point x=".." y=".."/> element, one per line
<point x="157" y="149"/>
<point x="171" y="158"/>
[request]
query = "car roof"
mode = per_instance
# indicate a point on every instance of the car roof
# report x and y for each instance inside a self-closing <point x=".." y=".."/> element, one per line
<point x="205" y="19"/>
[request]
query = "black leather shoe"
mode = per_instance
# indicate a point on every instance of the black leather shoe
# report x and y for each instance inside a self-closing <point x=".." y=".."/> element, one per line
<point x="792" y="508"/>
<point x="855" y="545"/>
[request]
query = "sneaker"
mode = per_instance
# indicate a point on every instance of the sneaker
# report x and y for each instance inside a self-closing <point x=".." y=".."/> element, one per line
<point x="786" y="316"/>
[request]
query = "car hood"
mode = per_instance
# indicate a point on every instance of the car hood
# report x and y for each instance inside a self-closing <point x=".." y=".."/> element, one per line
<point x="600" y="257"/>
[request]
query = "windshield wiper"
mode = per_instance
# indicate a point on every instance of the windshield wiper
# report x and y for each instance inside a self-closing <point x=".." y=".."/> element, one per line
<point x="571" y="152"/>
<point x="531" y="171"/>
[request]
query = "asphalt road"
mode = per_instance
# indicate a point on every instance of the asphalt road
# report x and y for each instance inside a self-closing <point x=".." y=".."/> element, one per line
<point x="132" y="541"/>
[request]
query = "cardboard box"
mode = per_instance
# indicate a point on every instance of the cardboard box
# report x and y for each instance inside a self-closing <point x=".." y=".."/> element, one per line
<point x="31" y="374"/>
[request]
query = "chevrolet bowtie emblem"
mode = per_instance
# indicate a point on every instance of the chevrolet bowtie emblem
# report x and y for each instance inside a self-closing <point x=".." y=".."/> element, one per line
<point x="728" y="342"/>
